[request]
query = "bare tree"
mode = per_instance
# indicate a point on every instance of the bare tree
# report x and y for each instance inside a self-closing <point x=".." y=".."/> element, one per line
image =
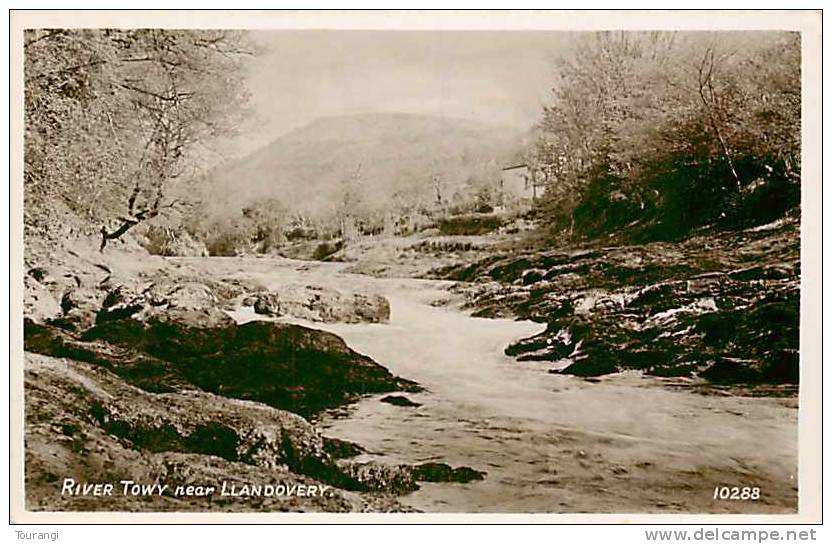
<point x="115" y="117"/>
<point x="349" y="204"/>
<point x="713" y="106"/>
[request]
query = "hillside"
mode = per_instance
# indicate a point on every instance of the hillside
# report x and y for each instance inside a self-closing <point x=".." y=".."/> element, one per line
<point x="398" y="155"/>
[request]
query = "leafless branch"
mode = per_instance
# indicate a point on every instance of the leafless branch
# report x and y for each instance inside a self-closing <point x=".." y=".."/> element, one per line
<point x="167" y="98"/>
<point x="710" y="102"/>
<point x="49" y="34"/>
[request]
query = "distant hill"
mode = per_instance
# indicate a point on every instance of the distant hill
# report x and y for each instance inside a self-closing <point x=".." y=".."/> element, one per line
<point x="389" y="156"/>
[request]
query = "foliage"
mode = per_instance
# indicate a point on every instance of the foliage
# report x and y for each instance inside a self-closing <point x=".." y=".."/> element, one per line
<point x="113" y="118"/>
<point x="170" y="242"/>
<point x="226" y="239"/>
<point x="267" y="220"/>
<point x="667" y="132"/>
<point x="325" y="249"/>
<point x="257" y="228"/>
<point x="471" y="224"/>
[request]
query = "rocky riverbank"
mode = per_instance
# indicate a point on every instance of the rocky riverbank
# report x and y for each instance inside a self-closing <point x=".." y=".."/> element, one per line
<point x="721" y="306"/>
<point x="134" y="370"/>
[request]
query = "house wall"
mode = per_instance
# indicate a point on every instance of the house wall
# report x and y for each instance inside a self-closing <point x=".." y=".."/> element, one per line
<point x="516" y="184"/>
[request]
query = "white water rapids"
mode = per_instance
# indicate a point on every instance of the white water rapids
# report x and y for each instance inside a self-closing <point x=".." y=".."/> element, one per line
<point x="549" y="443"/>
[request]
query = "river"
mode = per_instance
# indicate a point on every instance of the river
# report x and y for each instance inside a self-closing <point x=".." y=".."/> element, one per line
<point x="626" y="443"/>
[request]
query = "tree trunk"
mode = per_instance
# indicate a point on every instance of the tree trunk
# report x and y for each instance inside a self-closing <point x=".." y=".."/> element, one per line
<point x="128" y="223"/>
<point x="116" y="234"/>
<point x="706" y="70"/>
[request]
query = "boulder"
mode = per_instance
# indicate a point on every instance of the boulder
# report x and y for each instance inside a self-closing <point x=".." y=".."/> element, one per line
<point x="371" y="308"/>
<point x="441" y="472"/>
<point x="39" y="303"/>
<point x="327" y="305"/>
<point x="284" y="365"/>
<point x="84" y="423"/>
<point x="400" y="400"/>
<point x="379" y="478"/>
<point x="267" y="304"/>
<point x="401" y="479"/>
<point x="732" y="370"/>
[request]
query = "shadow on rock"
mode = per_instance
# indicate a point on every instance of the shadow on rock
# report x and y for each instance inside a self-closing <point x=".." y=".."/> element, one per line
<point x="287" y="366"/>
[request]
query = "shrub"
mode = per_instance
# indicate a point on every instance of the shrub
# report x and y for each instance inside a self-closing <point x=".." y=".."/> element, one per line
<point x="664" y="133"/>
<point x="226" y="244"/>
<point x="325" y="249"/>
<point x="471" y="224"/>
<point x="171" y="242"/>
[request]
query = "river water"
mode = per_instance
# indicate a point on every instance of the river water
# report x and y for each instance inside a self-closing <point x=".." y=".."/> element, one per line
<point x="626" y="443"/>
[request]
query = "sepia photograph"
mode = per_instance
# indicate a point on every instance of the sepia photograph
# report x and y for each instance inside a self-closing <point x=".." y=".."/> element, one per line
<point x="364" y="269"/>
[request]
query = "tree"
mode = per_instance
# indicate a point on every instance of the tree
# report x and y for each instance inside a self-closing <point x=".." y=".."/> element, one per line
<point x="350" y="204"/>
<point x="713" y="105"/>
<point x="268" y="219"/>
<point x="115" y="117"/>
<point x="674" y="122"/>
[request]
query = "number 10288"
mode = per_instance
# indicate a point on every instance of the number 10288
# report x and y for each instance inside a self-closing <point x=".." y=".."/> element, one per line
<point x="736" y="493"/>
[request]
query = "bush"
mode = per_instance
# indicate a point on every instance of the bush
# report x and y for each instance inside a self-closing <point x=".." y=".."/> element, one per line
<point x="471" y="224"/>
<point x="607" y="205"/>
<point x="171" y="242"/>
<point x="227" y="240"/>
<point x="689" y="192"/>
<point x="702" y="191"/>
<point x="325" y="249"/>
<point x="768" y="197"/>
<point x="663" y="134"/>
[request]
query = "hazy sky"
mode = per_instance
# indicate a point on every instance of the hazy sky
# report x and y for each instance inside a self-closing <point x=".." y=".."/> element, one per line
<point x="501" y="77"/>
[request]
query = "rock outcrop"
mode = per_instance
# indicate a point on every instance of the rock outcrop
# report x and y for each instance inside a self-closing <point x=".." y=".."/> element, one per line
<point x="87" y="424"/>
<point x="136" y="371"/>
<point x="402" y="479"/>
<point x="721" y="305"/>
<point x="164" y="326"/>
<point x="84" y="423"/>
<point x="78" y="289"/>
<point x="400" y="400"/>
<point x="320" y="304"/>
<point x="286" y="366"/>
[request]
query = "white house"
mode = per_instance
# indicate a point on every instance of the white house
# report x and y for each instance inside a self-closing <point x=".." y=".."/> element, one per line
<point x="517" y="183"/>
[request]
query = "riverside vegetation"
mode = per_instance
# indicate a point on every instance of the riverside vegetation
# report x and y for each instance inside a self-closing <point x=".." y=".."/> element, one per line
<point x="667" y="241"/>
<point x="672" y="243"/>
